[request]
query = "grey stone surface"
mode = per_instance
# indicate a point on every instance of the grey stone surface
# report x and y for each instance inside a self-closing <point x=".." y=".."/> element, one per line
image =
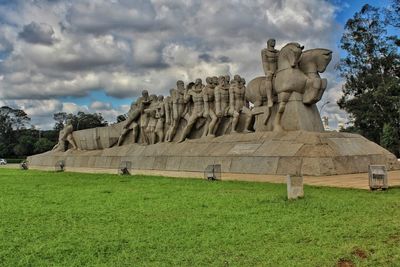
<point x="294" y="186"/>
<point x="211" y="123"/>
<point x="283" y="99"/>
<point x="306" y="153"/>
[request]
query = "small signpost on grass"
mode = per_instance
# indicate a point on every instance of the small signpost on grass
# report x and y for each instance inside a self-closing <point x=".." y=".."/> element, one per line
<point x="213" y="172"/>
<point x="24" y="165"/>
<point x="59" y="166"/>
<point x="125" y="168"/>
<point x="294" y="186"/>
<point x="378" y="178"/>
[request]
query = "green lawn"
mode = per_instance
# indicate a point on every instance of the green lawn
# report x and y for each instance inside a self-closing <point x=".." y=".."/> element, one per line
<point x="71" y="219"/>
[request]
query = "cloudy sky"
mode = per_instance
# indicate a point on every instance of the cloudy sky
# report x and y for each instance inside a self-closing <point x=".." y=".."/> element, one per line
<point x="97" y="55"/>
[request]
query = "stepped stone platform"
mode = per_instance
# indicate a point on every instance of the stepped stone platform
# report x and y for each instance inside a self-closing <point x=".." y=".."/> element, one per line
<point x="266" y="153"/>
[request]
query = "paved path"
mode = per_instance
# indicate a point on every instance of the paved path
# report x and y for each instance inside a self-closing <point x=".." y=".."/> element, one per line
<point x="359" y="180"/>
<point x="10" y="166"/>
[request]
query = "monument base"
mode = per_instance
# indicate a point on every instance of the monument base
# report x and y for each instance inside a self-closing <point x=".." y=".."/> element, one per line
<point x="281" y="153"/>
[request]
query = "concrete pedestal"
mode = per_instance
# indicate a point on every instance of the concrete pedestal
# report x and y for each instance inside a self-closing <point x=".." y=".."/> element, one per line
<point x="281" y="153"/>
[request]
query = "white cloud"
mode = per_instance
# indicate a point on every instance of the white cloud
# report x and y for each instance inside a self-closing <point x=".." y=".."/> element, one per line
<point x="123" y="46"/>
<point x="38" y="33"/>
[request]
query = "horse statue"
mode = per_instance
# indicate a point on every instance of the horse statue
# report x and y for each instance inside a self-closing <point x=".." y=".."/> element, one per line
<point x="297" y="71"/>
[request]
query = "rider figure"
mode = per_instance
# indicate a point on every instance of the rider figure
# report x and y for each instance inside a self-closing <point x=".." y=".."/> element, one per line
<point x="269" y="57"/>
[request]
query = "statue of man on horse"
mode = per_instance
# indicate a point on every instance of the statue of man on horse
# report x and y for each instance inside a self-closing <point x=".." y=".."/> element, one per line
<point x="287" y="71"/>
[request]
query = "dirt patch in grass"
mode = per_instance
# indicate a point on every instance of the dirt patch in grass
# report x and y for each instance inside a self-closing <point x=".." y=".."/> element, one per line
<point x="345" y="263"/>
<point x="358" y="252"/>
<point x="394" y="238"/>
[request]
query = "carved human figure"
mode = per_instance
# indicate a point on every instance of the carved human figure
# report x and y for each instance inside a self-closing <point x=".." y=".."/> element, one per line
<point x="168" y="113"/>
<point x="194" y="94"/>
<point x="179" y="109"/>
<point x="227" y="80"/>
<point x="209" y="107"/>
<point x="65" y="136"/>
<point x="143" y="103"/>
<point x="130" y="124"/>
<point x="215" y="81"/>
<point x="160" y="116"/>
<point x="238" y="103"/>
<point x="269" y="58"/>
<point x="150" y="112"/>
<point x="221" y="92"/>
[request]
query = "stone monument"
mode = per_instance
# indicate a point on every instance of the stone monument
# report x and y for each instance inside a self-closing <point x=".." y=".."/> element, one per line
<point x="66" y="138"/>
<point x="269" y="126"/>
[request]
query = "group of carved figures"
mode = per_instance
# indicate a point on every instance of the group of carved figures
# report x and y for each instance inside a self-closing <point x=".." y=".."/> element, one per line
<point x="156" y="119"/>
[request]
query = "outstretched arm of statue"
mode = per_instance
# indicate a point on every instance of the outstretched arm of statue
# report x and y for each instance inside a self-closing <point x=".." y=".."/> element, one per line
<point x="128" y="122"/>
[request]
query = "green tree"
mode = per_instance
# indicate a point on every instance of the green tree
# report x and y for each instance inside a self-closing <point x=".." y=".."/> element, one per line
<point x="121" y="117"/>
<point x="371" y="93"/>
<point x="43" y="145"/>
<point x="390" y="139"/>
<point x="25" y="146"/>
<point x="393" y="14"/>
<point x="60" y="118"/>
<point x="80" y="121"/>
<point x="12" y="122"/>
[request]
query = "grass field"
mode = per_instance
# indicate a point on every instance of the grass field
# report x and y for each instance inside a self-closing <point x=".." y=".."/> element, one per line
<point x="71" y="219"/>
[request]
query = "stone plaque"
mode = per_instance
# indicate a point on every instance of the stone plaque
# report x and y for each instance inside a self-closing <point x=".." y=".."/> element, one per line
<point x="244" y="149"/>
<point x="295" y="187"/>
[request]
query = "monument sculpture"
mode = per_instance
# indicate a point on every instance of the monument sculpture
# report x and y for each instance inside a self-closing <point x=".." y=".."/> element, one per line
<point x="179" y="110"/>
<point x="65" y="138"/>
<point x="221" y="94"/>
<point x="269" y="126"/>
<point x="269" y="58"/>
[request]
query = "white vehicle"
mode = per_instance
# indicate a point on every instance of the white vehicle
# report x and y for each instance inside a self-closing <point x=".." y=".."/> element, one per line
<point x="3" y="162"/>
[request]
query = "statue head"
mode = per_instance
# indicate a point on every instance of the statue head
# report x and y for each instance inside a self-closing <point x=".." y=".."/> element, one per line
<point x="145" y="94"/>
<point x="227" y="79"/>
<point x="315" y="60"/>
<point x="242" y="81"/>
<point x="180" y="85"/>
<point x="236" y="77"/>
<point x="198" y="81"/>
<point x="208" y="80"/>
<point x="215" y="80"/>
<point x="271" y="43"/>
<point x="153" y="98"/>
<point x="221" y="80"/>
<point x="160" y="98"/>
<point x="190" y="85"/>
<point x="290" y="55"/>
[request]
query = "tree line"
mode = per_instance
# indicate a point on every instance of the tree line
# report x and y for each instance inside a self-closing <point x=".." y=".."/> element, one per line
<point x="18" y="138"/>
<point x="371" y="72"/>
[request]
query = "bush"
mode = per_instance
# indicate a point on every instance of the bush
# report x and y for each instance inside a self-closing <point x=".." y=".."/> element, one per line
<point x="13" y="161"/>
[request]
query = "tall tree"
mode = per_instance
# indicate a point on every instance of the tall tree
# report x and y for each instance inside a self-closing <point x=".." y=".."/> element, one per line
<point x="60" y="118"/>
<point x="12" y="121"/>
<point x="393" y="14"/>
<point x="80" y="121"/>
<point x="371" y="68"/>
